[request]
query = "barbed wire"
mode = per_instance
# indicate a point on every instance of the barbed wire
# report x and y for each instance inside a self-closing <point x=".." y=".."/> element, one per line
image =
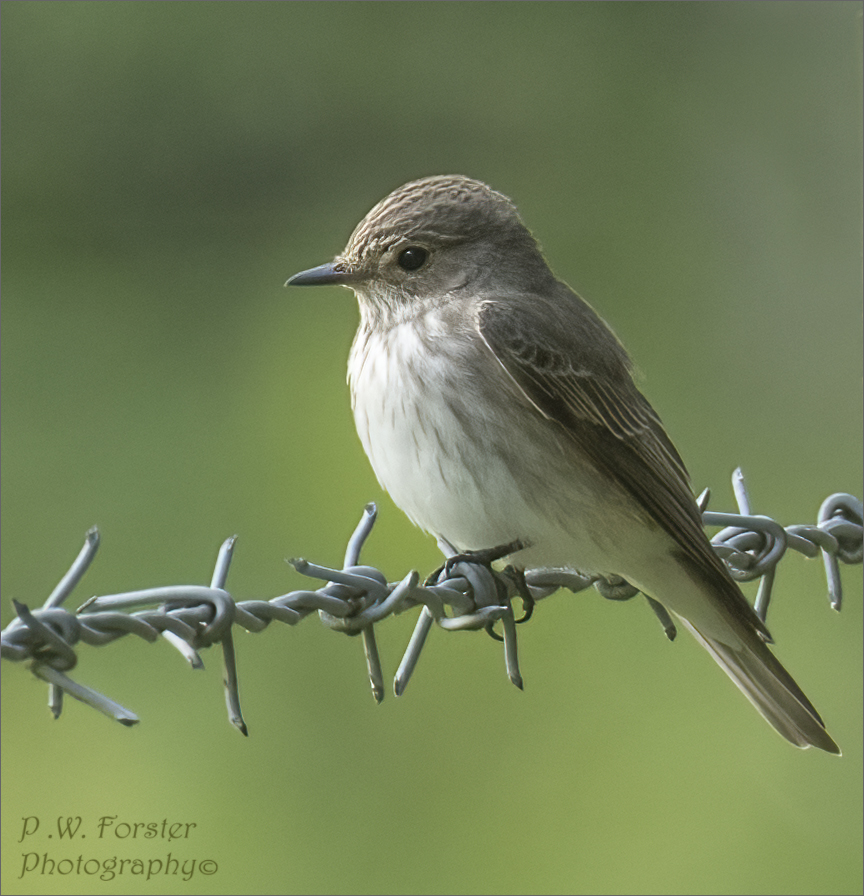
<point x="357" y="597"/>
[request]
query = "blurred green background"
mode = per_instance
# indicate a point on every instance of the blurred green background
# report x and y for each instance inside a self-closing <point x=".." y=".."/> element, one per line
<point x="693" y="169"/>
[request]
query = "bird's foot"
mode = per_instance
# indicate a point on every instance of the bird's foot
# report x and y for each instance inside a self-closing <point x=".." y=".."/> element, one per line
<point x="485" y="557"/>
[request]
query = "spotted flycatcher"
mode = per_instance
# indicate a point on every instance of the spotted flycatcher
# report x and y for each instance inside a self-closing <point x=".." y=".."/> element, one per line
<point x="496" y="407"/>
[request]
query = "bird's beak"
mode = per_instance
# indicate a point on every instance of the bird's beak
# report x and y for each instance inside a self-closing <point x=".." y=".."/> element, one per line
<point x="323" y="275"/>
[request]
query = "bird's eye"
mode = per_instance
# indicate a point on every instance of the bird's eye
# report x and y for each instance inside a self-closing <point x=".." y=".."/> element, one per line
<point x="413" y="258"/>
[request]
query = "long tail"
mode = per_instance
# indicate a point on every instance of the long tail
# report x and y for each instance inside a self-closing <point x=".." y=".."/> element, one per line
<point x="770" y="688"/>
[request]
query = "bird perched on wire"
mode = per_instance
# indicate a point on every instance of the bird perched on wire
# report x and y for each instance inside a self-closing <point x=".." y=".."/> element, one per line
<point x="498" y="409"/>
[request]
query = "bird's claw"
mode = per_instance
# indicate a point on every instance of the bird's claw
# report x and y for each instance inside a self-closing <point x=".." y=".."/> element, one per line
<point x="484" y="557"/>
<point x="524" y="592"/>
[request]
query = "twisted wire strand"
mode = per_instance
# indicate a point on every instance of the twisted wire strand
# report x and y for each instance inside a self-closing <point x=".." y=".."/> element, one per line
<point x="466" y="594"/>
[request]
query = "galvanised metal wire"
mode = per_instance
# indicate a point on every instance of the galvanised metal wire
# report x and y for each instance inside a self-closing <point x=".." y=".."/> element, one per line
<point x="466" y="594"/>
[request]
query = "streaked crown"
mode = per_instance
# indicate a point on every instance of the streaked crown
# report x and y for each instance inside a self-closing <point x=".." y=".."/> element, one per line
<point x="445" y="209"/>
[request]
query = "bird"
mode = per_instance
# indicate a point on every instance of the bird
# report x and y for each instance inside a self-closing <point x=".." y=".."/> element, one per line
<point x="497" y="408"/>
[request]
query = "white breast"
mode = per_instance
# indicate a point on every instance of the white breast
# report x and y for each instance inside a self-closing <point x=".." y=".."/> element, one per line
<point x="459" y="465"/>
<point x="403" y="398"/>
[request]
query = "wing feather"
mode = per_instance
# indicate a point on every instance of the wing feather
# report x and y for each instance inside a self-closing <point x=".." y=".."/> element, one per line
<point x="571" y="368"/>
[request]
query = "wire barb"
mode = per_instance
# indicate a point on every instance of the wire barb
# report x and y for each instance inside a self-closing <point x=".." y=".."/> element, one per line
<point x="467" y="594"/>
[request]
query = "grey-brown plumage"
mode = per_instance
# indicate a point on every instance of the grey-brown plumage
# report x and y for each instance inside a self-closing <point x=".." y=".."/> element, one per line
<point x="495" y="405"/>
